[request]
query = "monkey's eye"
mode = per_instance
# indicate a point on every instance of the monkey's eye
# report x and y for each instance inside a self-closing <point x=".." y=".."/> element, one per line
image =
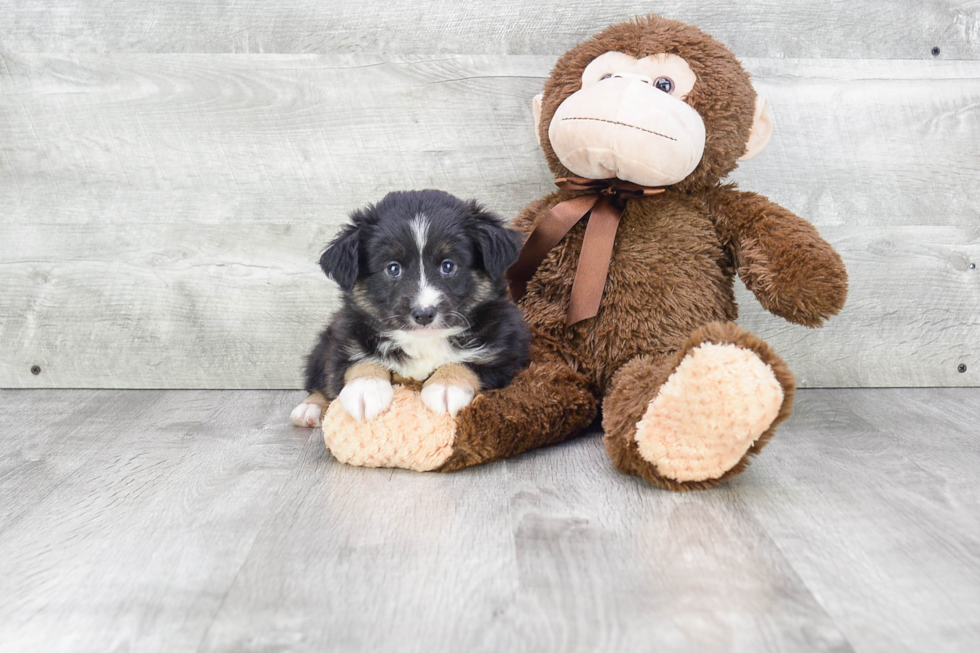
<point x="665" y="84"/>
<point x="447" y="267"/>
<point x="394" y="270"/>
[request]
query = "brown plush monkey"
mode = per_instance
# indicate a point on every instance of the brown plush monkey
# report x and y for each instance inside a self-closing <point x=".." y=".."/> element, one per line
<point x="627" y="276"/>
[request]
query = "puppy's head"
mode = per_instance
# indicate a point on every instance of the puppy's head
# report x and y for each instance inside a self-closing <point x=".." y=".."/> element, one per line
<point x="422" y="260"/>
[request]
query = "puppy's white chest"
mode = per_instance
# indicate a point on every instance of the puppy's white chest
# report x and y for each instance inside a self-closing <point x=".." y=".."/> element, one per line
<point x="425" y="354"/>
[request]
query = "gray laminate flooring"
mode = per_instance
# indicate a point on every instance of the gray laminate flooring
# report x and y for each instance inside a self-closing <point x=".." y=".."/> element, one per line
<point x="203" y="521"/>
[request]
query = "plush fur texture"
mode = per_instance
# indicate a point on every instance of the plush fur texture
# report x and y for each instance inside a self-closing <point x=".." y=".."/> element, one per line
<point x="708" y="412"/>
<point x="665" y="319"/>
<point x="670" y="283"/>
<point x="407" y="435"/>
<point x="639" y="382"/>
<point x="596" y="138"/>
<point x="669" y="275"/>
<point x="792" y="271"/>
<point x="723" y="94"/>
<point x="546" y="403"/>
<point x="423" y="288"/>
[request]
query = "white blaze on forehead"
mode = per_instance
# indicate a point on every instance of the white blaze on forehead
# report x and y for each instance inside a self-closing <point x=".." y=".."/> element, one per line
<point x="420" y="231"/>
<point x="427" y="295"/>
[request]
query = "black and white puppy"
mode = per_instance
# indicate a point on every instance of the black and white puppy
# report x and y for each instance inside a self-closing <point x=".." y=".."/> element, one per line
<point x="425" y="299"/>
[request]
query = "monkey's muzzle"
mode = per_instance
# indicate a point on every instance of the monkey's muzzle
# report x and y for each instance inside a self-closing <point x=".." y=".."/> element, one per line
<point x="627" y="129"/>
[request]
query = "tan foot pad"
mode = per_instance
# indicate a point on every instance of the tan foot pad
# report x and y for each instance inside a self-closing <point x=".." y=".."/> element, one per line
<point x="718" y="401"/>
<point x="407" y="435"/>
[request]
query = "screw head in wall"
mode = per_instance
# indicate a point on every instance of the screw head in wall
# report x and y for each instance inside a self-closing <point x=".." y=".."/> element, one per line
<point x="935" y="51"/>
<point x="961" y="368"/>
<point x="35" y="369"/>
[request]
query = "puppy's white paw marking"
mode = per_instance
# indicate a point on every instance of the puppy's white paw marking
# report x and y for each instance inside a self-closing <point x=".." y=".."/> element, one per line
<point x="450" y="399"/>
<point x="366" y="398"/>
<point x="306" y="415"/>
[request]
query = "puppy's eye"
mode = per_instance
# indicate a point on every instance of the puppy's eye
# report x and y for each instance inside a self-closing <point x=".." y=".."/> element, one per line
<point x="447" y="267"/>
<point x="606" y="76"/>
<point x="665" y="84"/>
<point x="394" y="270"/>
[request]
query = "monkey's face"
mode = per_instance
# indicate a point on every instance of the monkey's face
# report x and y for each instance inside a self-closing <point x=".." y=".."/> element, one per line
<point x="652" y="101"/>
<point x="629" y="120"/>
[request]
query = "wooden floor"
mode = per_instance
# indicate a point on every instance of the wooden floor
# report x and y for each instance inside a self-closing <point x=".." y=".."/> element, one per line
<point x="202" y="521"/>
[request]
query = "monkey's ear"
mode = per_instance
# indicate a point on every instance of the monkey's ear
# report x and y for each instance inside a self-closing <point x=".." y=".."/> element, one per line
<point x="761" y="128"/>
<point x="340" y="261"/>
<point x="536" y="110"/>
<point x="496" y="245"/>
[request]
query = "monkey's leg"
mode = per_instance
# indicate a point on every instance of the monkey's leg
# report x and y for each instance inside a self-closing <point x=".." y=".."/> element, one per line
<point x="545" y="403"/>
<point x="691" y="420"/>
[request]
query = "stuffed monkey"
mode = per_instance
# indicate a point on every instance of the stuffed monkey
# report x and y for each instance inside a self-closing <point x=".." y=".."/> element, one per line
<point x="626" y="276"/>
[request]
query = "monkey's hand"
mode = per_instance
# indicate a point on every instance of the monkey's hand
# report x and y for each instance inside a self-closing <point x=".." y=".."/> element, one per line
<point x="793" y="272"/>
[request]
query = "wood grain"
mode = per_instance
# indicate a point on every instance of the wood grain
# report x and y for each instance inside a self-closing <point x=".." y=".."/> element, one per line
<point x="891" y="523"/>
<point x="163" y="213"/>
<point x="675" y="572"/>
<point x="256" y="138"/>
<point x="132" y="515"/>
<point x="894" y="29"/>
<point x="45" y="443"/>
<point x="432" y="578"/>
<point x="553" y="551"/>
<point x="202" y="521"/>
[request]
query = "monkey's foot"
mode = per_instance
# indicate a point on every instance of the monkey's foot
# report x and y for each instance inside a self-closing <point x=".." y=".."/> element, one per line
<point x="688" y="421"/>
<point x="407" y="435"/>
<point x="712" y="408"/>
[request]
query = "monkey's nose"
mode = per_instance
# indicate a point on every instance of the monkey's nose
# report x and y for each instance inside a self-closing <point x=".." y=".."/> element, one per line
<point x="423" y="315"/>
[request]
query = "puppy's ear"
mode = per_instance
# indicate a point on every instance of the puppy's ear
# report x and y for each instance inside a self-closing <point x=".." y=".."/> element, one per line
<point x="340" y="261"/>
<point x="498" y="246"/>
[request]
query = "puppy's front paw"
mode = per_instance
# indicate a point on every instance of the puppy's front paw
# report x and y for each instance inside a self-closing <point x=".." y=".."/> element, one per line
<point x="366" y="398"/>
<point x="306" y="415"/>
<point x="450" y="399"/>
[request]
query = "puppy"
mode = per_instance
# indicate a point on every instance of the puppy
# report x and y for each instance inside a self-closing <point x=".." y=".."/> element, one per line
<point x="425" y="299"/>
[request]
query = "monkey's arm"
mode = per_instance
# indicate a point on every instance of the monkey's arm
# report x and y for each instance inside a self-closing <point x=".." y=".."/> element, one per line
<point x="782" y="259"/>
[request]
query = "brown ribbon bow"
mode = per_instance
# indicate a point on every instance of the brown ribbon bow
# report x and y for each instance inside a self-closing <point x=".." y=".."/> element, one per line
<point x="605" y="200"/>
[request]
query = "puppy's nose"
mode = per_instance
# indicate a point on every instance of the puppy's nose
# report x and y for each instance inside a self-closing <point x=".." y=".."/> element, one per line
<point x="423" y="315"/>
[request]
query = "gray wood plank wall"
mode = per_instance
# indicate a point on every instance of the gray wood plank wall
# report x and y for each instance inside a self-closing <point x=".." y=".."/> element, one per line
<point x="169" y="171"/>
